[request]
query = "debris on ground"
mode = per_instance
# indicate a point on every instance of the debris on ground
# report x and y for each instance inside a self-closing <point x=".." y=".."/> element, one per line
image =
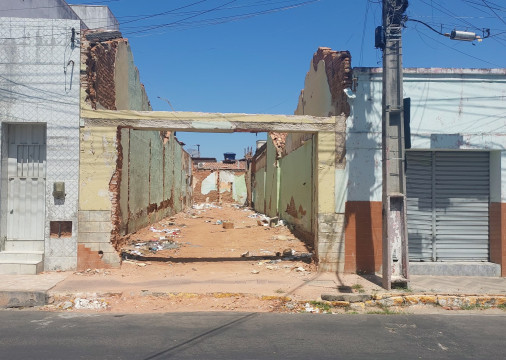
<point x="90" y="272"/>
<point x="311" y="309"/>
<point x="289" y="252"/>
<point x="228" y="225"/>
<point x="80" y="303"/>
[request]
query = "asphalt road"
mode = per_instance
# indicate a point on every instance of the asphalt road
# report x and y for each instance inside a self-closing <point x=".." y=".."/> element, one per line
<point x="41" y="335"/>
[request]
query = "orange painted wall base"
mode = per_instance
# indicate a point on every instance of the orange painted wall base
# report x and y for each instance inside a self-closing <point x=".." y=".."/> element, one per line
<point x="89" y="259"/>
<point x="497" y="222"/>
<point x="363" y="234"/>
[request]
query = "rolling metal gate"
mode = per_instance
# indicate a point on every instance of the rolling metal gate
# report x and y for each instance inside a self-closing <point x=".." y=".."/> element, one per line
<point x="448" y="204"/>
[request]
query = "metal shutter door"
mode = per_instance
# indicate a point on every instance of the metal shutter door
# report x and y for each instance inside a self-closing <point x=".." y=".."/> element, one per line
<point x="419" y="205"/>
<point x="462" y="205"/>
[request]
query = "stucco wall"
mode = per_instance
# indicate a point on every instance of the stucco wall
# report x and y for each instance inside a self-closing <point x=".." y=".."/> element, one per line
<point x="283" y="186"/>
<point x="37" y="90"/>
<point x="296" y="187"/>
<point x="219" y="186"/>
<point x="38" y="9"/>
<point x="258" y="179"/>
<point x="451" y="109"/>
<point x="271" y="180"/>
<point x="157" y="187"/>
<point x="329" y="73"/>
<point x="128" y="178"/>
<point x="95" y="16"/>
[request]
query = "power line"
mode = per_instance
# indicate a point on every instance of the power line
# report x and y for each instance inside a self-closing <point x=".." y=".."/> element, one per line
<point x="460" y="51"/>
<point x="182" y="24"/>
<point x="500" y="18"/>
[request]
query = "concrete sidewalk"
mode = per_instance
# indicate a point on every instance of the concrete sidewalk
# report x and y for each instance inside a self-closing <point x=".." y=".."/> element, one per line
<point x="35" y="290"/>
<point x="27" y="290"/>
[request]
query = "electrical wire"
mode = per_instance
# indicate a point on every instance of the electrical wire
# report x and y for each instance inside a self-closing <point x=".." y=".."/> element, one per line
<point x="461" y="52"/>
<point x="500" y="18"/>
<point x="181" y="24"/>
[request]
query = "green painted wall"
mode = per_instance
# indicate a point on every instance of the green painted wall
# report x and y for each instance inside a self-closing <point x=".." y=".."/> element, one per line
<point x="154" y="178"/>
<point x="259" y="191"/>
<point x="271" y="181"/>
<point x="296" y="187"/>
<point x="239" y="192"/>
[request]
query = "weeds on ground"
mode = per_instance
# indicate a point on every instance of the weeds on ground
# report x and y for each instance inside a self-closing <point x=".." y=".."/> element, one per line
<point x="359" y="288"/>
<point x="323" y="306"/>
<point x="474" y="307"/>
<point x="502" y="306"/>
<point x="280" y="291"/>
<point x="384" y="310"/>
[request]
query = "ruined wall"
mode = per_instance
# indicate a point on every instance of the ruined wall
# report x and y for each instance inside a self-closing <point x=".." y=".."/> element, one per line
<point x="329" y="74"/>
<point x="296" y="188"/>
<point x="258" y="179"/>
<point x="283" y="183"/>
<point x="155" y="178"/>
<point x="219" y="186"/>
<point x="128" y="178"/>
<point x="271" y="179"/>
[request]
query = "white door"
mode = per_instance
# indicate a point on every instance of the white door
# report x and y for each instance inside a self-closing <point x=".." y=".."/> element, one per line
<point x="27" y="181"/>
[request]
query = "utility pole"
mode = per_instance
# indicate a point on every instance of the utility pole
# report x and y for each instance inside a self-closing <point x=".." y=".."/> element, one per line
<point x="395" y="236"/>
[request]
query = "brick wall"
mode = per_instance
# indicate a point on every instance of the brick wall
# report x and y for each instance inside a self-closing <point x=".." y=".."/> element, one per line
<point x="198" y="177"/>
<point x="222" y="192"/>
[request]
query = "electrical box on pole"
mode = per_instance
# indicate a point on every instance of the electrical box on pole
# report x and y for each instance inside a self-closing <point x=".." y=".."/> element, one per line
<point x="395" y="239"/>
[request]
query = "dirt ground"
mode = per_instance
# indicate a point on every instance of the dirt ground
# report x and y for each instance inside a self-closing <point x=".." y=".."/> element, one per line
<point x="202" y="265"/>
<point x="202" y="236"/>
<point x="191" y="262"/>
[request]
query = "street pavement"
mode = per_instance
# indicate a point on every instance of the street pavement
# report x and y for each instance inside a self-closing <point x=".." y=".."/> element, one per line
<point x="43" y="335"/>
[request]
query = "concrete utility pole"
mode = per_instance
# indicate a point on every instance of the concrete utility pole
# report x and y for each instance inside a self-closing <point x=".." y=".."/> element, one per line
<point x="395" y="237"/>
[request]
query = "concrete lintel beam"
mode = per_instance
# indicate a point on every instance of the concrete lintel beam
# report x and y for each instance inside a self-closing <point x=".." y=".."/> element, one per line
<point x="209" y="122"/>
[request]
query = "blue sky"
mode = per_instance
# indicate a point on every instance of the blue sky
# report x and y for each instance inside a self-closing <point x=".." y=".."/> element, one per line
<point x="200" y="60"/>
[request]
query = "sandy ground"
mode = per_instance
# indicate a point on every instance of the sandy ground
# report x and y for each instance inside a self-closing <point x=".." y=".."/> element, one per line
<point x="249" y="267"/>
<point x="211" y="268"/>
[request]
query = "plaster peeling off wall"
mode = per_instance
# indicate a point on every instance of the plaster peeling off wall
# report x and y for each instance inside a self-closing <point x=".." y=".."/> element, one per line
<point x="157" y="187"/>
<point x="296" y="188"/>
<point x="219" y="186"/>
<point x="128" y="178"/>
<point x="209" y="184"/>
<point x="239" y="191"/>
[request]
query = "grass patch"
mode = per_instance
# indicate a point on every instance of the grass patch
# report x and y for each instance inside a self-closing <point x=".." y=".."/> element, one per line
<point x="323" y="306"/>
<point x="280" y="291"/>
<point x="474" y="307"/>
<point x="501" y="306"/>
<point x="359" y="288"/>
